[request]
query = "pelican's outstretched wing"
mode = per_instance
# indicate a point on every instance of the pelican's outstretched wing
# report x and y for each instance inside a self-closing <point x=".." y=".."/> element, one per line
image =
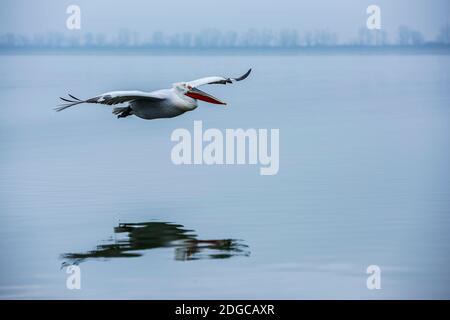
<point x="110" y="98"/>
<point x="216" y="80"/>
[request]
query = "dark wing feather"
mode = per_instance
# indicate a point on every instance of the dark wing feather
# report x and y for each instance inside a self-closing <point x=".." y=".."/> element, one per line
<point x="244" y="76"/>
<point x="217" y="80"/>
<point x="109" y="99"/>
<point x="230" y="80"/>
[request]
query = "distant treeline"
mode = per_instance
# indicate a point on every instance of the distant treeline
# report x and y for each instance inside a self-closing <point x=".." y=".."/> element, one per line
<point x="213" y="38"/>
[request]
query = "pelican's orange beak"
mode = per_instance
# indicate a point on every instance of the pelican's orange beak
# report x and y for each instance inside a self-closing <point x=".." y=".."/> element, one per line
<point x="195" y="93"/>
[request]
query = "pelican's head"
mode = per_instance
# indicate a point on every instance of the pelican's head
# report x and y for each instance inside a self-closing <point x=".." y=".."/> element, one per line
<point x="196" y="94"/>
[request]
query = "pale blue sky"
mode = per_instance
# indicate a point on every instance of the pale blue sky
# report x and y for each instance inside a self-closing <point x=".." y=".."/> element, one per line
<point x="344" y="17"/>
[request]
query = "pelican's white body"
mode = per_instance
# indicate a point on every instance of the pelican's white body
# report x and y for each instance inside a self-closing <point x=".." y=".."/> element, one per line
<point x="174" y="103"/>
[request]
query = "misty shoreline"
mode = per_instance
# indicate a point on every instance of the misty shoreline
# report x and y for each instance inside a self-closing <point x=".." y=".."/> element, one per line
<point x="339" y="49"/>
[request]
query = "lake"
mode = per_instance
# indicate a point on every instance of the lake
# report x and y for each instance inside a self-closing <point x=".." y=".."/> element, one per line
<point x="364" y="179"/>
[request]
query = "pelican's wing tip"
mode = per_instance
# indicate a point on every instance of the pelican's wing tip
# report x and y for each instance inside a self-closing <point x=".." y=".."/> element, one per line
<point x="244" y="76"/>
<point x="68" y="103"/>
<point x="58" y="109"/>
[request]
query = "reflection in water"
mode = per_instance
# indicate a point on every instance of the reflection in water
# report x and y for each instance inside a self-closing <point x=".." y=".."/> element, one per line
<point x="130" y="239"/>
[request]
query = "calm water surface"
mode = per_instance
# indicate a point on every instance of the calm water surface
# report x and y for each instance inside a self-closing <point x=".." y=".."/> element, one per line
<point x="364" y="179"/>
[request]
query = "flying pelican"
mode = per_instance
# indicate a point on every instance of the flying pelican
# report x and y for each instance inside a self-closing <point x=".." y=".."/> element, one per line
<point x="165" y="103"/>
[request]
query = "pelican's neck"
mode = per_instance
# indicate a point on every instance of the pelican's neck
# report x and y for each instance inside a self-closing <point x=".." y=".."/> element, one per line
<point x="183" y="101"/>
